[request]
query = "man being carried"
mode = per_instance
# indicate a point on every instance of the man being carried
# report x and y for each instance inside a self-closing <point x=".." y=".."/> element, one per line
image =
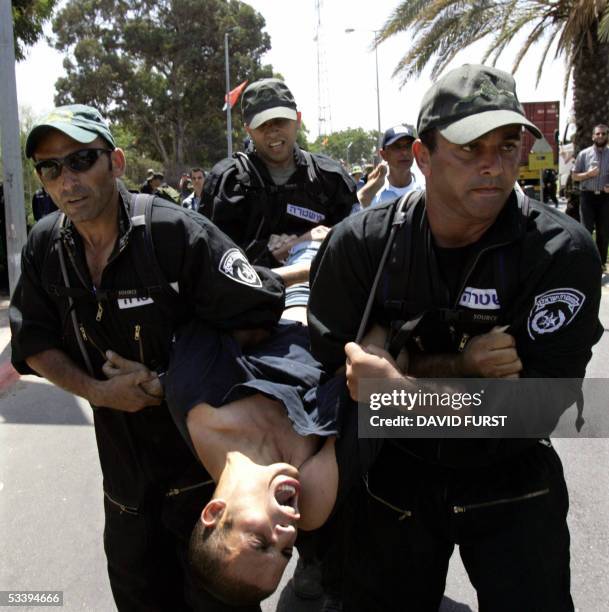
<point x="255" y="418"/>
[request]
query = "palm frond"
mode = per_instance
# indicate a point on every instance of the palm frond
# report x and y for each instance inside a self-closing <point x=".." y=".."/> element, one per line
<point x="532" y="38"/>
<point x="444" y="38"/>
<point x="509" y="28"/>
<point x="439" y="29"/>
<point x="544" y="54"/>
<point x="603" y="27"/>
<point x="402" y="18"/>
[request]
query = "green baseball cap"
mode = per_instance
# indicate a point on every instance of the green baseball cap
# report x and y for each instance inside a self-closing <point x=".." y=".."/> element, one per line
<point x="470" y="101"/>
<point x="265" y="100"/>
<point x="82" y="123"/>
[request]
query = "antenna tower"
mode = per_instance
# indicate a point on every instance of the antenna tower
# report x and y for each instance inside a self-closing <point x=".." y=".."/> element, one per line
<point x="324" y="116"/>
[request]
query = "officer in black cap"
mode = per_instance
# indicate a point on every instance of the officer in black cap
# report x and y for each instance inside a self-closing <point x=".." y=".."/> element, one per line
<point x="479" y="282"/>
<point x="277" y="189"/>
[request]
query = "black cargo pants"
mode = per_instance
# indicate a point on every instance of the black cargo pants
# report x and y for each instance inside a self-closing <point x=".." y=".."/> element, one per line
<point x="509" y="520"/>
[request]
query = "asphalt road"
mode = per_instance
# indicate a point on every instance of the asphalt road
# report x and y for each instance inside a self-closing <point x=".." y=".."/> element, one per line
<point x="51" y="503"/>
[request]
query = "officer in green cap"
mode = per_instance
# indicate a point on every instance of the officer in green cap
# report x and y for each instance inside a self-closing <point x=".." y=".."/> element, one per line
<point x="478" y="282"/>
<point x="112" y="273"/>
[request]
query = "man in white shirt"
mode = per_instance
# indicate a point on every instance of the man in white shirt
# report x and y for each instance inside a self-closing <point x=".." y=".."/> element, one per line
<point x="393" y="177"/>
<point x="197" y="176"/>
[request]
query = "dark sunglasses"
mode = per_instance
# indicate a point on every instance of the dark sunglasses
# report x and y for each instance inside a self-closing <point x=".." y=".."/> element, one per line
<point x="79" y="161"/>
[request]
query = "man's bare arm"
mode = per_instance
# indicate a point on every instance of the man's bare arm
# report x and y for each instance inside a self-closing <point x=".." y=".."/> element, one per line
<point x="296" y="273"/>
<point x="376" y="180"/>
<point x="120" y="392"/>
<point x="583" y="176"/>
<point x="319" y="486"/>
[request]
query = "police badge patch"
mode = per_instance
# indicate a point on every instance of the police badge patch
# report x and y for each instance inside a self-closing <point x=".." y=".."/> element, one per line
<point x="554" y="309"/>
<point x="235" y="265"/>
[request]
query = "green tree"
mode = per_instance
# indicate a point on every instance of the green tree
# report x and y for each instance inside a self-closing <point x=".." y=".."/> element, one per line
<point x="577" y="30"/>
<point x="28" y="19"/>
<point x="302" y="138"/>
<point x="351" y="145"/>
<point x="157" y="68"/>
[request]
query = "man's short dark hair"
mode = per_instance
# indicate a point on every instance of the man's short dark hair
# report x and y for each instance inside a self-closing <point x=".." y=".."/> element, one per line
<point x="600" y="125"/>
<point x="197" y="170"/>
<point x="206" y="556"/>
<point x="430" y="139"/>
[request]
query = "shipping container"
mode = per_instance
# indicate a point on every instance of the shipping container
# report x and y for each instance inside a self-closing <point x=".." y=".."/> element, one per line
<point x="545" y="115"/>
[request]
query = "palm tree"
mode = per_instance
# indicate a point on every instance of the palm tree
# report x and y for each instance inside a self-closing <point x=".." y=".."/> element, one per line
<point x="577" y="30"/>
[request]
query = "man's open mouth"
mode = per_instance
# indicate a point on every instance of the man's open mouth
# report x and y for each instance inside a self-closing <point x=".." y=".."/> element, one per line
<point x="286" y="494"/>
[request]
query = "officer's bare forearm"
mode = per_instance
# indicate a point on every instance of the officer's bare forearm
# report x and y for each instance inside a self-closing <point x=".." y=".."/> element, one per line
<point x="296" y="273"/>
<point x="58" y="368"/>
<point x="120" y="392"/>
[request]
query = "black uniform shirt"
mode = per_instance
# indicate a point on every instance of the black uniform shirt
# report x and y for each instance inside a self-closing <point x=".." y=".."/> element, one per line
<point x="213" y="280"/>
<point x="249" y="211"/>
<point x="551" y="304"/>
<point x="551" y="253"/>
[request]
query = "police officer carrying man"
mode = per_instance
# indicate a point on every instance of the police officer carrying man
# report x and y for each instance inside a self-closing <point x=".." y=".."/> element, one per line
<point x="113" y="271"/>
<point x="479" y="282"/>
<point x="276" y="189"/>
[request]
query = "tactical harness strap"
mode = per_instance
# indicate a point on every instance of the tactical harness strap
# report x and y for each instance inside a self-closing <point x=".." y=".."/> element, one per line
<point x="405" y="314"/>
<point x="252" y="181"/>
<point x="146" y="264"/>
<point x="402" y="327"/>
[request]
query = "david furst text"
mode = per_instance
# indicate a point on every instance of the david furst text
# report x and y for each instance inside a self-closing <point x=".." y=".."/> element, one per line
<point x="445" y="420"/>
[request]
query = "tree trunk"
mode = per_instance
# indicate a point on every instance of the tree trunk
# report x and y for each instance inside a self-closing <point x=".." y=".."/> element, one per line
<point x="590" y="90"/>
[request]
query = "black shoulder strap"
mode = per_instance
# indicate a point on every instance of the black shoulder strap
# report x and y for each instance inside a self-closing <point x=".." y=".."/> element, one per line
<point x="314" y="183"/>
<point x="311" y="169"/>
<point x="395" y="284"/>
<point x="398" y="219"/>
<point x="72" y="306"/>
<point x="246" y="170"/>
<point x="145" y="259"/>
<point x="524" y="204"/>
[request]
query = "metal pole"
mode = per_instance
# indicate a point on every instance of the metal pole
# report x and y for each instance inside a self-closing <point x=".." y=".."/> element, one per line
<point x="229" y="127"/>
<point x="378" y="94"/>
<point x="11" y="148"/>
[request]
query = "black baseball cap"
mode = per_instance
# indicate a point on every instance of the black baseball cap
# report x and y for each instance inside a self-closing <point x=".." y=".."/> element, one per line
<point x="470" y="101"/>
<point x="78" y="121"/>
<point x="267" y="99"/>
<point x="395" y="133"/>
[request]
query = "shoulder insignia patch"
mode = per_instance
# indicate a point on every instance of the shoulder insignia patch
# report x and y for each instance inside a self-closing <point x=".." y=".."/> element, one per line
<point x="235" y="265"/>
<point x="554" y="309"/>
